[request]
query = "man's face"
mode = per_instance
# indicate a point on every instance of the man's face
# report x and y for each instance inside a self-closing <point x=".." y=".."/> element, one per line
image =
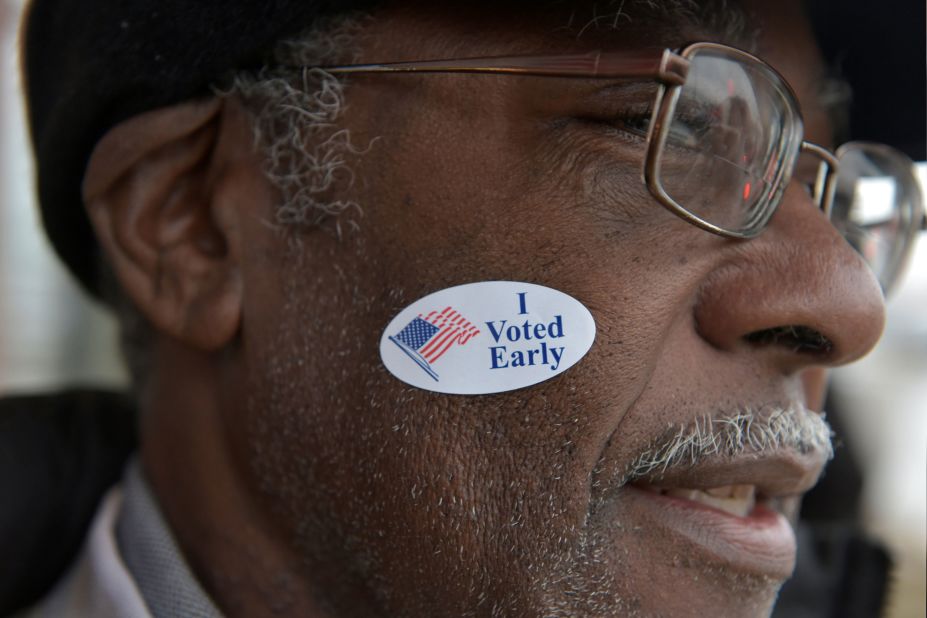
<point x="410" y="502"/>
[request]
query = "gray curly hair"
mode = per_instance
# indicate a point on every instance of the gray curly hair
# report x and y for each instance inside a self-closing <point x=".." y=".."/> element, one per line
<point x="307" y="154"/>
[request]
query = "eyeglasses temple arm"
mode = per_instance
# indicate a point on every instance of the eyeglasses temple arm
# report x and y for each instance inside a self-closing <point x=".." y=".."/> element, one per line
<point x="666" y="66"/>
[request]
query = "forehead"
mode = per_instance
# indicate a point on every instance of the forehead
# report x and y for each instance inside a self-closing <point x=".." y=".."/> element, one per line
<point x="779" y="34"/>
<point x="522" y="27"/>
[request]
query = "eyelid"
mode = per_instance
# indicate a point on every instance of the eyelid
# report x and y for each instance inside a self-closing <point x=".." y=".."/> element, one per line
<point x="615" y="102"/>
<point x="616" y="92"/>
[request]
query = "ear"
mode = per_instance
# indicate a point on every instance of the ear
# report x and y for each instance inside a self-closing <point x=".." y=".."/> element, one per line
<point x="153" y="191"/>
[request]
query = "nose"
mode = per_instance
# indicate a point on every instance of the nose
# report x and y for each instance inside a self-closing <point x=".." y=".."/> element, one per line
<point x="797" y="295"/>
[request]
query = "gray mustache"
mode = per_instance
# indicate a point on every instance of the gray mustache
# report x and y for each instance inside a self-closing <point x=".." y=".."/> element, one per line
<point x="750" y="432"/>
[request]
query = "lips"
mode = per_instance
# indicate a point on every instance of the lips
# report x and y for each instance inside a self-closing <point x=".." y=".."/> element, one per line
<point x="716" y="491"/>
<point x="733" y="511"/>
<point x="760" y="543"/>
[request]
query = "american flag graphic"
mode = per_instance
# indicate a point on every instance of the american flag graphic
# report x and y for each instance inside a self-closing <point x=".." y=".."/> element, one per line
<point x="427" y="337"/>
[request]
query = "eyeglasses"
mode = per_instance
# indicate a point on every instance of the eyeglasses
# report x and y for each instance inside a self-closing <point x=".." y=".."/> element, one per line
<point x="723" y="140"/>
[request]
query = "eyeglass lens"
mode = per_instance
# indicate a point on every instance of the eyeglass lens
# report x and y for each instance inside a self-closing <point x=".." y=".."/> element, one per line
<point x="876" y="206"/>
<point x="731" y="139"/>
<point x="732" y="136"/>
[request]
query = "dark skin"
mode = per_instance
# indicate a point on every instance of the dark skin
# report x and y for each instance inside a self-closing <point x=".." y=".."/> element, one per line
<point x="300" y="478"/>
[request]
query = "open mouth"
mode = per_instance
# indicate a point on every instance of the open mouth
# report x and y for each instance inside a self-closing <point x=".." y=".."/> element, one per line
<point x="736" y="500"/>
<point x="723" y="491"/>
<point x="734" y="522"/>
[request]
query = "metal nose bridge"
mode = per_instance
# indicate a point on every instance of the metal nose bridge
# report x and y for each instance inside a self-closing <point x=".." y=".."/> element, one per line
<point x="825" y="184"/>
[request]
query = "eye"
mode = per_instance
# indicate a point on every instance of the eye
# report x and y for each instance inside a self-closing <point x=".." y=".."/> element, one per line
<point x="631" y="122"/>
<point x="621" y="109"/>
<point x="634" y="122"/>
<point x="691" y="125"/>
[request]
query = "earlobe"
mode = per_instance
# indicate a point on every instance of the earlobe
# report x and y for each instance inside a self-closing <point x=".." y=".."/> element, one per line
<point x="150" y="195"/>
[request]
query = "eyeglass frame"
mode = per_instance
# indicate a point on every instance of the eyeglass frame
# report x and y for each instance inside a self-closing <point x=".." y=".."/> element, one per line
<point x="670" y="69"/>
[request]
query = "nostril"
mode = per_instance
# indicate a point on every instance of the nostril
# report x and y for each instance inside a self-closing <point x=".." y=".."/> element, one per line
<point x="798" y="339"/>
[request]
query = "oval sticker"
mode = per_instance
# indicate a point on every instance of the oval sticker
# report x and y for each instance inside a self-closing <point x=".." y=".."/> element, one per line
<point x="487" y="337"/>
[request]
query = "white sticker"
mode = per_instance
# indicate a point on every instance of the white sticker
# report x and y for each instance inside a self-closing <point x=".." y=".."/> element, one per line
<point x="487" y="337"/>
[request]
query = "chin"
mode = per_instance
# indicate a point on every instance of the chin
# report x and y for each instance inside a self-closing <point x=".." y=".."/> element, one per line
<point x="648" y="557"/>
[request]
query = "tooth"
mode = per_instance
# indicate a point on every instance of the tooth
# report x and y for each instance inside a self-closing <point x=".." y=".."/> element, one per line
<point x="738" y="500"/>
<point x="751" y="500"/>
<point x="721" y="492"/>
<point x="728" y="505"/>
<point x="686" y="494"/>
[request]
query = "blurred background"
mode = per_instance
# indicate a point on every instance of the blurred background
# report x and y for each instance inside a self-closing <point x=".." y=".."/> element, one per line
<point x="53" y="336"/>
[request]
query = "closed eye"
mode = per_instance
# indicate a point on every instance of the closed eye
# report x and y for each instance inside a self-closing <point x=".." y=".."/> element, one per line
<point x="632" y="124"/>
<point x="624" y="109"/>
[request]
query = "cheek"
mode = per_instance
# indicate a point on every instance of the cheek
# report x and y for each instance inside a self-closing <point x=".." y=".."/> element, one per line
<point x="347" y="451"/>
<point x="565" y="215"/>
<point x="454" y="485"/>
<point x="370" y="472"/>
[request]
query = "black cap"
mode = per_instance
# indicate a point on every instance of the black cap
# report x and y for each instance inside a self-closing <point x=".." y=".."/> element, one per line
<point x="90" y="64"/>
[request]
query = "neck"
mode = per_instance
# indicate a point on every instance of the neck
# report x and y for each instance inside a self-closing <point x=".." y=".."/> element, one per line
<point x="206" y="492"/>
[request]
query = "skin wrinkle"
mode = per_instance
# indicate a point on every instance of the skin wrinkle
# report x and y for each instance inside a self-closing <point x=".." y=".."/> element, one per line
<point x="646" y="372"/>
<point x="609" y="175"/>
